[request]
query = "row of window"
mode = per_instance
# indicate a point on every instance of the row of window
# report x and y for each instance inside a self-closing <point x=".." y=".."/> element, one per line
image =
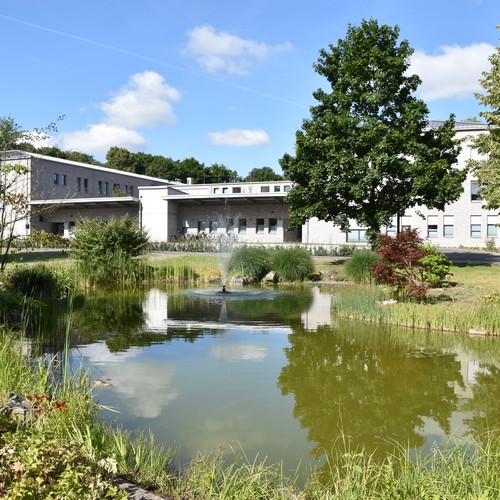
<point x="260" y="226"/>
<point x="82" y="186"/>
<point x="358" y="235"/>
<point x="475" y="226"/>
<point x="263" y="189"/>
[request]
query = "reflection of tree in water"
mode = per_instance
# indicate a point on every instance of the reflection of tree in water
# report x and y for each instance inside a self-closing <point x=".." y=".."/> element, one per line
<point x="363" y="384"/>
<point x="485" y="405"/>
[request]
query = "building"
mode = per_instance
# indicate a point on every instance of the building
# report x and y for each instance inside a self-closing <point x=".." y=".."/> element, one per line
<point x="257" y="212"/>
<point x="61" y="192"/>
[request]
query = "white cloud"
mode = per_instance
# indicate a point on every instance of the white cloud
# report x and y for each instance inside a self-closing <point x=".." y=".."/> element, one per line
<point x="220" y="51"/>
<point x="240" y="137"/>
<point x="99" y="138"/>
<point x="453" y="72"/>
<point x="145" y="101"/>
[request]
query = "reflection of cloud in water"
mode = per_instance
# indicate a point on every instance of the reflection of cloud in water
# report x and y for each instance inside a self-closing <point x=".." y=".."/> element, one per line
<point x="147" y="387"/>
<point x="238" y="352"/>
<point x="223" y="429"/>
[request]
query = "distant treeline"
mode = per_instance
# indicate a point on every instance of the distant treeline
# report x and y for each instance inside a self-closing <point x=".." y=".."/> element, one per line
<point x="160" y="166"/>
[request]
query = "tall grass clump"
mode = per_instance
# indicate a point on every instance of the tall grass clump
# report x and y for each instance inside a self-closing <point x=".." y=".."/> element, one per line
<point x="361" y="304"/>
<point x="252" y="262"/>
<point x="37" y="282"/>
<point x="358" y="266"/>
<point x="292" y="264"/>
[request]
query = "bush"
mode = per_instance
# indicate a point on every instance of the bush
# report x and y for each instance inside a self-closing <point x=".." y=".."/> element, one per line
<point x="251" y="262"/>
<point x="436" y="266"/>
<point x="292" y="264"/>
<point x="400" y="266"/>
<point x="104" y="250"/>
<point x="36" y="282"/>
<point x="358" y="267"/>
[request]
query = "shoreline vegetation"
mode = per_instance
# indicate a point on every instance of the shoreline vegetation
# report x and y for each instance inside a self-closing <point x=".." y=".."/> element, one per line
<point x="62" y="449"/>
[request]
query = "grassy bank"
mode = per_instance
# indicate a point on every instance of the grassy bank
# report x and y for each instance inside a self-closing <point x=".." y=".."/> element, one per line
<point x="469" y="305"/>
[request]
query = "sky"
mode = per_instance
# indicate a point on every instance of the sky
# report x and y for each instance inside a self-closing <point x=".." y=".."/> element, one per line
<point x="221" y="81"/>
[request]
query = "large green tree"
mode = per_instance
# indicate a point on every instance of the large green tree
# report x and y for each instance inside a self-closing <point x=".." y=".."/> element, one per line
<point x="488" y="170"/>
<point x="366" y="153"/>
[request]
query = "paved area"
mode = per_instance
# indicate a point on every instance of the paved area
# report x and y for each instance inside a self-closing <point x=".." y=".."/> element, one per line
<point x="464" y="256"/>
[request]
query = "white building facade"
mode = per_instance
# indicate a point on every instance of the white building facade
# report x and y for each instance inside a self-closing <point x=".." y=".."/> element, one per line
<point x="258" y="213"/>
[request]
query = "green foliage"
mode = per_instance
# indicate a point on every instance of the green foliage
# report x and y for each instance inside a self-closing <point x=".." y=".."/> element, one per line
<point x="262" y="174"/>
<point x="252" y="262"/>
<point x="42" y="239"/>
<point x="104" y="250"/>
<point x="365" y="153"/>
<point x="37" y="282"/>
<point x="487" y="170"/>
<point x="436" y="266"/>
<point x="38" y="466"/>
<point x="292" y="264"/>
<point x="358" y="267"/>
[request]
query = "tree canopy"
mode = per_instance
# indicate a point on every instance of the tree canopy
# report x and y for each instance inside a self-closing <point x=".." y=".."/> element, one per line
<point x="366" y="153"/>
<point x="262" y="174"/>
<point x="488" y="170"/>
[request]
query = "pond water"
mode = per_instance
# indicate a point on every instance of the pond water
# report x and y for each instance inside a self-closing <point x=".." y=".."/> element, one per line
<point x="271" y="373"/>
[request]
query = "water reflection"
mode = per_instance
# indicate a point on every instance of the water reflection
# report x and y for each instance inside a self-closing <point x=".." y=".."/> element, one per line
<point x="280" y="376"/>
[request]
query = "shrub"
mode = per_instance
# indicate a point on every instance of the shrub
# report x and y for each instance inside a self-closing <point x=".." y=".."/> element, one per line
<point x="36" y="282"/>
<point x="436" y="266"/>
<point x="400" y="265"/>
<point x="358" y="267"/>
<point x="104" y="250"/>
<point x="292" y="264"/>
<point x="252" y="262"/>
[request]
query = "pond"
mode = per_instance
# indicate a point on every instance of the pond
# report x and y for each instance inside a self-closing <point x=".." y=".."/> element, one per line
<point x="269" y="372"/>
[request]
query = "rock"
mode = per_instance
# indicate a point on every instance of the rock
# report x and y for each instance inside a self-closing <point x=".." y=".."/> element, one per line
<point x="270" y="277"/>
<point x="17" y="408"/>
<point x="474" y="331"/>
<point x="239" y="280"/>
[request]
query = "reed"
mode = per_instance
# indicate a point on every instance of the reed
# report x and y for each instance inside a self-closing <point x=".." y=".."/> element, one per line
<point x="292" y="264"/>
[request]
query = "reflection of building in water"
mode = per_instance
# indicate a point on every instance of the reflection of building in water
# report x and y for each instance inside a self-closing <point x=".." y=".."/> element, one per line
<point x="155" y="308"/>
<point x="320" y="311"/>
<point x="469" y="369"/>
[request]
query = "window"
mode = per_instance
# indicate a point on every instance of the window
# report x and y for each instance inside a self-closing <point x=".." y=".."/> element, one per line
<point x="86" y="185"/>
<point x="116" y="189"/>
<point x="475" y="226"/>
<point x="99" y="187"/>
<point x="356" y="236"/>
<point x="201" y="226"/>
<point x="216" y="190"/>
<point x="106" y="188"/>
<point x="474" y="188"/>
<point x="79" y="184"/>
<point x="287" y="188"/>
<point x="213" y="226"/>
<point x="432" y="226"/>
<point x="264" y="189"/>
<point x="56" y="178"/>
<point x="131" y="190"/>
<point x="405" y="222"/>
<point x="259" y="224"/>
<point x="448" y="226"/>
<point x="242" y="225"/>
<point x="236" y="190"/>
<point x="230" y="226"/>
<point x="492" y="226"/>
<point x="64" y="178"/>
<point x="273" y="225"/>
<point x="225" y="190"/>
<point x="390" y="230"/>
<point x="277" y="189"/>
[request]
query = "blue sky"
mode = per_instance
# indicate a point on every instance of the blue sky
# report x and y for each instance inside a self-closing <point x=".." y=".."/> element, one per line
<point x="221" y="81"/>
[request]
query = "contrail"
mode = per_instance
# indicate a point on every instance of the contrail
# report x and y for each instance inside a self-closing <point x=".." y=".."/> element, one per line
<point x="149" y="59"/>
